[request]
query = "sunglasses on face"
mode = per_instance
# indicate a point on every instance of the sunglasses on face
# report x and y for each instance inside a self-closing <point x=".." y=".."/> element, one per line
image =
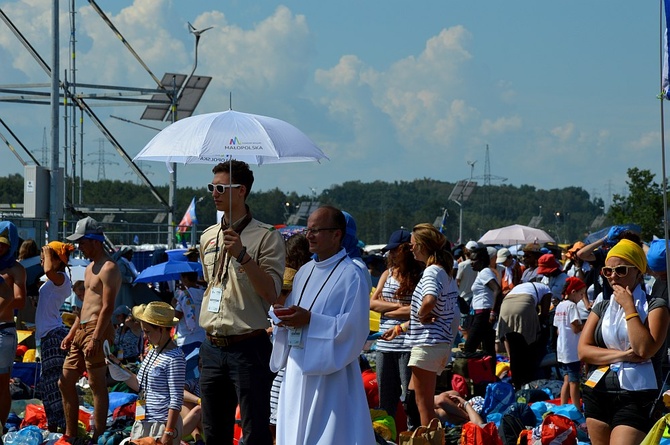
<point x="619" y="271"/>
<point x="221" y="188"/>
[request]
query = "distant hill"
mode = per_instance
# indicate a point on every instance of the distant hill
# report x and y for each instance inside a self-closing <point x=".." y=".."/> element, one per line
<point x="378" y="207"/>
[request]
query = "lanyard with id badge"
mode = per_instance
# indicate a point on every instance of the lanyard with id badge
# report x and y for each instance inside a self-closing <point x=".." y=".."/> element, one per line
<point x="141" y="403"/>
<point x="295" y="334"/>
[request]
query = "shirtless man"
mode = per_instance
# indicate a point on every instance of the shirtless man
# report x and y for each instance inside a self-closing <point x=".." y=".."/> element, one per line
<point x="12" y="296"/>
<point x="90" y="329"/>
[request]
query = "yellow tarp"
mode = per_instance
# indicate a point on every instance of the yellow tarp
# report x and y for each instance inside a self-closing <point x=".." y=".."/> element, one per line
<point x="374" y="321"/>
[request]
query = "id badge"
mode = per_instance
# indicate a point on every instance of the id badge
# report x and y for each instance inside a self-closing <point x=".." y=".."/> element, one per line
<point x="595" y="377"/>
<point x="215" y="299"/>
<point x="140" y="409"/>
<point x="295" y="337"/>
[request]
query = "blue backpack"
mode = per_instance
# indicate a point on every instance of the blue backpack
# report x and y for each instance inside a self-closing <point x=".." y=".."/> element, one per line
<point x="499" y="396"/>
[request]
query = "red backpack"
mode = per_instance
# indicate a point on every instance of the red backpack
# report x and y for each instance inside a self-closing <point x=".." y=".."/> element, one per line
<point x="473" y="434"/>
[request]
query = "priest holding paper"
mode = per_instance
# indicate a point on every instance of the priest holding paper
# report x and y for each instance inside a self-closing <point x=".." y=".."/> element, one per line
<point x="319" y="336"/>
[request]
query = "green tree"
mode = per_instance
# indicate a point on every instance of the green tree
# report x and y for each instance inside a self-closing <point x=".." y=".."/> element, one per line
<point x="643" y="205"/>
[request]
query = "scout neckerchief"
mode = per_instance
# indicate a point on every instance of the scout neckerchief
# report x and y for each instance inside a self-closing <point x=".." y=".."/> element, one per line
<point x="238" y="226"/>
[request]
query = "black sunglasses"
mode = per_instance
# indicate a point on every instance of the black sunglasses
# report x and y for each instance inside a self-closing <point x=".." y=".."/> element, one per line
<point x="221" y="188"/>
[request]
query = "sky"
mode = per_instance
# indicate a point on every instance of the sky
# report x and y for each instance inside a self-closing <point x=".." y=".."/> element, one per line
<point x="562" y="93"/>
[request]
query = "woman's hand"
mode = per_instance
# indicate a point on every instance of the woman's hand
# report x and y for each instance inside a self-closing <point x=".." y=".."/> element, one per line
<point x="623" y="296"/>
<point x="390" y="334"/>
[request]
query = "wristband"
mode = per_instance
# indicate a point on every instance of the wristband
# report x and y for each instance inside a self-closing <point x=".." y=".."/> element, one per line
<point x="199" y="401"/>
<point x="404" y="327"/>
<point x="633" y="315"/>
<point x="170" y="432"/>
<point x="398" y="329"/>
<point x="465" y="404"/>
<point x="248" y="259"/>
<point x="240" y="257"/>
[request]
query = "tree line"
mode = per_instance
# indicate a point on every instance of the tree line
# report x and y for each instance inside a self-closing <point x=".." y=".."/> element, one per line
<point x="567" y="214"/>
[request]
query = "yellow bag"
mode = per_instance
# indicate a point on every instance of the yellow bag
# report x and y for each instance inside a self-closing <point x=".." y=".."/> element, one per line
<point x="433" y="434"/>
<point x="656" y="433"/>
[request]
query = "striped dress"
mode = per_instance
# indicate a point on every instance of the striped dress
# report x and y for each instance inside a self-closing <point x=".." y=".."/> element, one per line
<point x="162" y="382"/>
<point x="434" y="281"/>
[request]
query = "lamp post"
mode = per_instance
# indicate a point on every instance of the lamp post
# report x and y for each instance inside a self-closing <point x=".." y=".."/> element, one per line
<point x="459" y="195"/>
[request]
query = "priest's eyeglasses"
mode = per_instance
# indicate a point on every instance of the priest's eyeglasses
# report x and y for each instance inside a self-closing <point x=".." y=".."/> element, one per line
<point x="221" y="188"/>
<point x="315" y="232"/>
<point x="620" y="271"/>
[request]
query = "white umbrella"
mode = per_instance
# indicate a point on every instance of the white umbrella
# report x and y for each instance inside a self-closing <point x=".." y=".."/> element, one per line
<point x="515" y="234"/>
<point x="217" y="137"/>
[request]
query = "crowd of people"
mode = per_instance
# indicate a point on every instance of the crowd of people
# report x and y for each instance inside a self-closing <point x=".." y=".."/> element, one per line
<point x="275" y="328"/>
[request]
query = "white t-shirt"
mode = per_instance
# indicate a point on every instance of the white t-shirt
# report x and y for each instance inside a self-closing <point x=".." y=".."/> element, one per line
<point x="566" y="346"/>
<point x="51" y="298"/>
<point x="436" y="282"/>
<point x="482" y="295"/>
<point x="535" y="290"/>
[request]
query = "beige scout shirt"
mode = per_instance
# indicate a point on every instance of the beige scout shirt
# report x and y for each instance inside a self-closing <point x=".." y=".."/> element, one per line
<point x="241" y="310"/>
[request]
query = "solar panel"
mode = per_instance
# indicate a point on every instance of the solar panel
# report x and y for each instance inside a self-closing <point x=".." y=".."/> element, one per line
<point x="171" y="82"/>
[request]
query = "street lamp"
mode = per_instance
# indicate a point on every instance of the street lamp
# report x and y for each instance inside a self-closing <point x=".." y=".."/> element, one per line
<point x="459" y="195"/>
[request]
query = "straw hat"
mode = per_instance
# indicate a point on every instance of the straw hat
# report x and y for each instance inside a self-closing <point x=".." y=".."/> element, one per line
<point x="157" y="313"/>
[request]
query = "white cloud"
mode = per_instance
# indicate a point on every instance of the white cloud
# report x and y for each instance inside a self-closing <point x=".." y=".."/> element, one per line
<point x="501" y="125"/>
<point x="564" y="132"/>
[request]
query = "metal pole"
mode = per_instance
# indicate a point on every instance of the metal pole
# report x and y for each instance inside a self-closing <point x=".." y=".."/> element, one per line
<point x="55" y="87"/>
<point x="460" y="222"/>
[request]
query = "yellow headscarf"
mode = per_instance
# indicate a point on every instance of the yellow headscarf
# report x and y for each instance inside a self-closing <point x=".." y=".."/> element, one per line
<point x="63" y="250"/>
<point x="631" y="252"/>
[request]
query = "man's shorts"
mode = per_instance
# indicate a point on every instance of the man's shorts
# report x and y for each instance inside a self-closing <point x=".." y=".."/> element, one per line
<point x="572" y="370"/>
<point x="8" y="343"/>
<point x="76" y="359"/>
<point x="431" y="357"/>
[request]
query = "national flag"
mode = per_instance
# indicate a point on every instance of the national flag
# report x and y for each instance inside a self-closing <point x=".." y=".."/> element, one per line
<point x="443" y="224"/>
<point x="189" y="218"/>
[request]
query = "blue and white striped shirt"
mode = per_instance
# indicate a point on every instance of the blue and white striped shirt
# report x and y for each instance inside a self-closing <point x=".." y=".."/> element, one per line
<point x="389" y="293"/>
<point x="164" y="382"/>
<point x="434" y="281"/>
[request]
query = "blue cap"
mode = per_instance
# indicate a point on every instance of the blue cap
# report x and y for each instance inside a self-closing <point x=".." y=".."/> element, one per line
<point x="656" y="255"/>
<point x="397" y="238"/>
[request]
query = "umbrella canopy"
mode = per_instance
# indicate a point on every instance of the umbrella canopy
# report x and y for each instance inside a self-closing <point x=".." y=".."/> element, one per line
<point x="595" y="236"/>
<point x="216" y="137"/>
<point x="515" y="234"/>
<point x="170" y="270"/>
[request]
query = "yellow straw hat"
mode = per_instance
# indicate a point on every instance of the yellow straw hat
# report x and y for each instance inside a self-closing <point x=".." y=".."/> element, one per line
<point x="157" y="313"/>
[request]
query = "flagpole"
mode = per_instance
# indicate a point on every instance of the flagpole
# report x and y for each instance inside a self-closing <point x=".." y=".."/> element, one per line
<point x="664" y="50"/>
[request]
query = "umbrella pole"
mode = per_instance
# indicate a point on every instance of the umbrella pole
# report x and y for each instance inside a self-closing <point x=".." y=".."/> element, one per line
<point x="230" y="193"/>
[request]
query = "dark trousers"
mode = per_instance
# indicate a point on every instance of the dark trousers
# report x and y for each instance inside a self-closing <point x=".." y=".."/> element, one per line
<point x="523" y="359"/>
<point x="393" y="376"/>
<point x="481" y="333"/>
<point x="239" y="373"/>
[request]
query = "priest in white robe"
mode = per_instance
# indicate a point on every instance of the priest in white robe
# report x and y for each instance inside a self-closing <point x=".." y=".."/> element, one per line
<point x="320" y="335"/>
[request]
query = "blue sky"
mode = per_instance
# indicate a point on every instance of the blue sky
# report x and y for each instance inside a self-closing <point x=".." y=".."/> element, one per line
<point x="564" y="93"/>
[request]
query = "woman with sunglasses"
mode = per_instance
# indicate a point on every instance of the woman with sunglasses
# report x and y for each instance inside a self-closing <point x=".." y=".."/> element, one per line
<point x="620" y="338"/>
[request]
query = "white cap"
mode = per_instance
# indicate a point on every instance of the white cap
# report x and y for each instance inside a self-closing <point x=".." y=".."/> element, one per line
<point x="492" y="251"/>
<point x="503" y="254"/>
<point x="472" y="245"/>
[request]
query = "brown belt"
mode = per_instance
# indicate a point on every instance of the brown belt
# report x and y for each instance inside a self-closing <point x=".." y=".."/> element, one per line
<point x="224" y="341"/>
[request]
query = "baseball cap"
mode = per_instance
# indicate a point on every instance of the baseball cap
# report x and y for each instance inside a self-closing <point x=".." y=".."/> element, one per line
<point x="472" y="245"/>
<point x="547" y="264"/>
<point x="397" y="238"/>
<point x="656" y="255"/>
<point x="87" y="228"/>
<point x="503" y="254"/>
<point x="492" y="251"/>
